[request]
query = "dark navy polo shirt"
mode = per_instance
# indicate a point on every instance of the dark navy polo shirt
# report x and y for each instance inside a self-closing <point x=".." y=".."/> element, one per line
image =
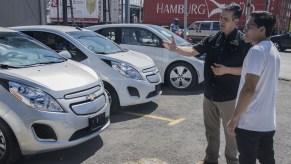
<point x="229" y="51"/>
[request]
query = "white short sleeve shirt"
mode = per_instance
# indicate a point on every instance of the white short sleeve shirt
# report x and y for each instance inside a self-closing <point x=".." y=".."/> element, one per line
<point x="262" y="60"/>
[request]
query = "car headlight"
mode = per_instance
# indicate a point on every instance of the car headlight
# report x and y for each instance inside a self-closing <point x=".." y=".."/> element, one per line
<point x="34" y="97"/>
<point x="126" y="70"/>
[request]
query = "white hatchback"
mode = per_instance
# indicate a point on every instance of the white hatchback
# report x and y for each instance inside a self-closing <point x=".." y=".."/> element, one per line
<point x="129" y="77"/>
<point x="182" y="73"/>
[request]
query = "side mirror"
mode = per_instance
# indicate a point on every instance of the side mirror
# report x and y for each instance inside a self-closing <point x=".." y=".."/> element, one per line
<point x="66" y="54"/>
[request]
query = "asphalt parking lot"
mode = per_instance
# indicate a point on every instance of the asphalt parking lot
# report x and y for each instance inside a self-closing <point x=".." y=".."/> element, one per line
<point x="167" y="131"/>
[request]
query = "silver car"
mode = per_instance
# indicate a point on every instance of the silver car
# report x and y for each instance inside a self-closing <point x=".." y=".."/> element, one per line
<point x="129" y="77"/>
<point x="46" y="101"/>
<point x="180" y="72"/>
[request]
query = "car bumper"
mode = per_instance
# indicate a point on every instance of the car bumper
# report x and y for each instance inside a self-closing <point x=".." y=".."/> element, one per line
<point x="132" y="92"/>
<point x="39" y="131"/>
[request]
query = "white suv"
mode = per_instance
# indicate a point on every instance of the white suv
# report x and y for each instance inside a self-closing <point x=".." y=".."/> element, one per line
<point x="200" y="29"/>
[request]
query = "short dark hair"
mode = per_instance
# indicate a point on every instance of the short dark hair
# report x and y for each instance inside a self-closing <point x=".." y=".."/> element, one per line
<point x="235" y="8"/>
<point x="266" y="19"/>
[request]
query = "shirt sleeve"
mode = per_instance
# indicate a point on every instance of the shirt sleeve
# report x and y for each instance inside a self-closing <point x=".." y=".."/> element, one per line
<point x="255" y="62"/>
<point x="202" y="45"/>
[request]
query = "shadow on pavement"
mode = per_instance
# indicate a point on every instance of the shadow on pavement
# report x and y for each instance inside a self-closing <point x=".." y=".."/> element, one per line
<point x="170" y="91"/>
<point x="66" y="156"/>
<point x="143" y="109"/>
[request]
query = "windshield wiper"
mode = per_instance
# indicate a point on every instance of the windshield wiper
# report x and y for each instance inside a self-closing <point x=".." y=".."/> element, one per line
<point x="46" y="62"/>
<point x="117" y="52"/>
<point x="6" y="66"/>
<point x="101" y="52"/>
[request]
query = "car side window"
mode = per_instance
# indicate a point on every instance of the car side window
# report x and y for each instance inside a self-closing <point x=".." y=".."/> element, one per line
<point x="130" y="36"/>
<point x="111" y="33"/>
<point x="58" y="44"/>
<point x="215" y="26"/>
<point x="205" y="26"/>
<point x="148" y="38"/>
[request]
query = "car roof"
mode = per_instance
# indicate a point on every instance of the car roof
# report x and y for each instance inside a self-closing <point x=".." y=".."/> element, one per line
<point x="49" y="27"/>
<point x="205" y="21"/>
<point x="120" y="25"/>
<point x="2" y="29"/>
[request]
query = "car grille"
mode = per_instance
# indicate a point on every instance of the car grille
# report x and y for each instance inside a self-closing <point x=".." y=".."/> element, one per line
<point x="154" y="78"/>
<point x="153" y="74"/>
<point x="82" y="93"/>
<point x="89" y="107"/>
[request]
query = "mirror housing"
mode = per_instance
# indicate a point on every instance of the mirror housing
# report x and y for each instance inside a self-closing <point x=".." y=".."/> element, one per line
<point x="66" y="54"/>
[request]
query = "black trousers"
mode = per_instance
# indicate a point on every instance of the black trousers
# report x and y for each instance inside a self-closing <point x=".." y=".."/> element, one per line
<point x="252" y="145"/>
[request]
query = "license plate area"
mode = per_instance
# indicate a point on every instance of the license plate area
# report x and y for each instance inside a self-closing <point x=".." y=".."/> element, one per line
<point x="97" y="121"/>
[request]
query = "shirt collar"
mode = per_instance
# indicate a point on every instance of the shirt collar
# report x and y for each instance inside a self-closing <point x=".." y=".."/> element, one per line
<point x="232" y="35"/>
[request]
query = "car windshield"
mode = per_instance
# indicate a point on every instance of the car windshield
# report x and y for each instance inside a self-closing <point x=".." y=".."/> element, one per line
<point x="167" y="36"/>
<point x="18" y="50"/>
<point x="96" y="43"/>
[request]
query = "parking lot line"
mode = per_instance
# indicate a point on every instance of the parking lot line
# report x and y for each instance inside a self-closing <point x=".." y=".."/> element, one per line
<point x="171" y="121"/>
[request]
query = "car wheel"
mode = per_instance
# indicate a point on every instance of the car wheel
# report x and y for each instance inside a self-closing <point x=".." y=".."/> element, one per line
<point x="181" y="76"/>
<point x="112" y="97"/>
<point x="9" y="149"/>
<point x="278" y="46"/>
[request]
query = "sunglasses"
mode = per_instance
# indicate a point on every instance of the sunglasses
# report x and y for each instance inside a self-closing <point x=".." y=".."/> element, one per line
<point x="248" y="26"/>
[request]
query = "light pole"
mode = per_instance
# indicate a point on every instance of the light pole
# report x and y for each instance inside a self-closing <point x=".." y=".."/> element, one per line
<point x="267" y="5"/>
<point x="127" y="11"/>
<point x="185" y="18"/>
<point x="248" y="9"/>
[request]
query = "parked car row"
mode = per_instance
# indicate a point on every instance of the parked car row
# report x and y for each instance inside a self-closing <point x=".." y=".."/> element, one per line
<point x="59" y="84"/>
<point x="129" y="77"/>
<point x="46" y="101"/>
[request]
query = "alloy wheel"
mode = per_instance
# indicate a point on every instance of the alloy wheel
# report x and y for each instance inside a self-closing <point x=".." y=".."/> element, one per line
<point x="180" y="77"/>
<point x="2" y="145"/>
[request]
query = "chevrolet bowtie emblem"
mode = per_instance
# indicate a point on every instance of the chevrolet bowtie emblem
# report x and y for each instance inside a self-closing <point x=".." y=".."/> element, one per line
<point x="156" y="71"/>
<point x="91" y="97"/>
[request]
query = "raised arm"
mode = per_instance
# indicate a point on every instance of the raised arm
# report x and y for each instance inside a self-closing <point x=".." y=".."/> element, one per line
<point x="185" y="51"/>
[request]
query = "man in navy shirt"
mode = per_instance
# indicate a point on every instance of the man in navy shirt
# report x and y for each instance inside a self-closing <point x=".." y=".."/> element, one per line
<point x="225" y="53"/>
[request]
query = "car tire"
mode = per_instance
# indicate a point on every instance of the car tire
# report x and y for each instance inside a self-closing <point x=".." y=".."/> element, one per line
<point x="278" y="46"/>
<point x="9" y="148"/>
<point x="181" y="76"/>
<point x="113" y="97"/>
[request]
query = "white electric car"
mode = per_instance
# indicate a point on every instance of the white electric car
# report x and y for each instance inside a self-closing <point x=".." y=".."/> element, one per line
<point x="129" y="77"/>
<point x="46" y="101"/>
<point x="180" y="72"/>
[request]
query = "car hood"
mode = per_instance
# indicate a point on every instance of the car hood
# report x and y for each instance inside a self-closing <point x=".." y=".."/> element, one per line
<point x="137" y="59"/>
<point x="276" y="36"/>
<point x="58" y="76"/>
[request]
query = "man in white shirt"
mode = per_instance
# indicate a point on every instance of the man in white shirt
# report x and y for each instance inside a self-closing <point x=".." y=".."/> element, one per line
<point x="254" y="119"/>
